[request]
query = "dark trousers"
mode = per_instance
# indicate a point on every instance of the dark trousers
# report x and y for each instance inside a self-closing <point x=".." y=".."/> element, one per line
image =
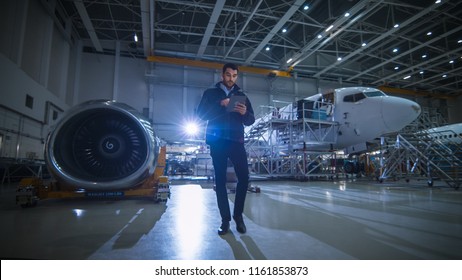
<point x="220" y="152"/>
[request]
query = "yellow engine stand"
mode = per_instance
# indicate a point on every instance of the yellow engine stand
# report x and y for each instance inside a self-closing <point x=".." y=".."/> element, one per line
<point x="32" y="189"/>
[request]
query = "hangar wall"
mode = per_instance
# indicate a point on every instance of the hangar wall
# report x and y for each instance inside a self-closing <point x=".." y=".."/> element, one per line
<point x="454" y="112"/>
<point x="34" y="63"/>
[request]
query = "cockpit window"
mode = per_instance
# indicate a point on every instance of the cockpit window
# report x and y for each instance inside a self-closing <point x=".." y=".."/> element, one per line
<point x="374" y="93"/>
<point x="354" y="97"/>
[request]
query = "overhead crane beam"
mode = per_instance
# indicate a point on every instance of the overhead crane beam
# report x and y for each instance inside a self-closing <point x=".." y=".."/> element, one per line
<point x="215" y="65"/>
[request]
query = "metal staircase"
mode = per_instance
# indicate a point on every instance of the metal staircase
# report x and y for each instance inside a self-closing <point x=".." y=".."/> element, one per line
<point x="424" y="154"/>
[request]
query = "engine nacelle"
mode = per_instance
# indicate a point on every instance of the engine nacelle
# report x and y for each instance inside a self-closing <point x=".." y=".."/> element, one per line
<point x="102" y="145"/>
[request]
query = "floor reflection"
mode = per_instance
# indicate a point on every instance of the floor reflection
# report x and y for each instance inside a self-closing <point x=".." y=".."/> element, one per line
<point x="189" y="221"/>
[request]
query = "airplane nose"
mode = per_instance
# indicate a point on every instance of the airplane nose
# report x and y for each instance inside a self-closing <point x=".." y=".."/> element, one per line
<point x="398" y="112"/>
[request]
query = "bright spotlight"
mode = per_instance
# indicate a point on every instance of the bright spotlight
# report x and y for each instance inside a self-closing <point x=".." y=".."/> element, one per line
<point x="191" y="128"/>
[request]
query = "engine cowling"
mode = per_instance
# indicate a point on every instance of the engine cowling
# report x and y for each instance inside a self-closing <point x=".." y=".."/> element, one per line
<point x="102" y="145"/>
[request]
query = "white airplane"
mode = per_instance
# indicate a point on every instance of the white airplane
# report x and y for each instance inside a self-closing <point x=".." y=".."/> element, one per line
<point x="447" y="134"/>
<point x="345" y="118"/>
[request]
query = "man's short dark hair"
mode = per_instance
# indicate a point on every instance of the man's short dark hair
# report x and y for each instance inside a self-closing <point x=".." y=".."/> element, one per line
<point x="230" y="65"/>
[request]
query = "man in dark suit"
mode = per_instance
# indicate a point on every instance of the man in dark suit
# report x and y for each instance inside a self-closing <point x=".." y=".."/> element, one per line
<point x="225" y="136"/>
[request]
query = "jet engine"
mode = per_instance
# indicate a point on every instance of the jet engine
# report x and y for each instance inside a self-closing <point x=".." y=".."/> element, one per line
<point x="102" y="145"/>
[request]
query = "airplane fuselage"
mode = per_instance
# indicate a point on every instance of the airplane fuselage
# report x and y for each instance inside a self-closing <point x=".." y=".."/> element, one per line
<point x="364" y="114"/>
<point x="451" y="133"/>
<point x="355" y="114"/>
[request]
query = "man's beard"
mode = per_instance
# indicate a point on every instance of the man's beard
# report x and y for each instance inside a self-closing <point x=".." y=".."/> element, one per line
<point x="229" y="84"/>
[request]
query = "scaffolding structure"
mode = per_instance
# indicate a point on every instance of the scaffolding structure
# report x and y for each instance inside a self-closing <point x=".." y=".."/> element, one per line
<point x="422" y="153"/>
<point x="295" y="142"/>
<point x="428" y="118"/>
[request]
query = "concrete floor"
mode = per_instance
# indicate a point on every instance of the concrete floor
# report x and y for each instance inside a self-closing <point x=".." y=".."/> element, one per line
<point x="352" y="219"/>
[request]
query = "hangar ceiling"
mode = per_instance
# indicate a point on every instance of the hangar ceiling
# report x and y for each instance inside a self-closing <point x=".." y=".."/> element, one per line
<point x="407" y="44"/>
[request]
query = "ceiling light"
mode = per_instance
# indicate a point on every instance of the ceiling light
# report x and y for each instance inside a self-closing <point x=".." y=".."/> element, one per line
<point x="347" y="14"/>
<point x="396" y="67"/>
<point x="319" y="36"/>
<point x="451" y="62"/>
<point x="267" y="48"/>
<point x="395" y="50"/>
<point x="329" y="28"/>
<point x="437" y="1"/>
<point x="424" y="56"/>
<point x="363" y="44"/>
<point x="284" y="30"/>
<point x="407" y="77"/>
<point x="339" y="58"/>
<point x="460" y="41"/>
<point x="396" y="26"/>
<point x="135" y="38"/>
<point x="288" y="61"/>
<point x="421" y="72"/>
<point x="306" y="7"/>
<point x="444" y="76"/>
<point x="429" y="33"/>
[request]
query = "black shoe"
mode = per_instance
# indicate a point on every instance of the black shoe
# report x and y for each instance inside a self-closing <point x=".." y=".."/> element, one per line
<point x="223" y="229"/>
<point x="240" y="226"/>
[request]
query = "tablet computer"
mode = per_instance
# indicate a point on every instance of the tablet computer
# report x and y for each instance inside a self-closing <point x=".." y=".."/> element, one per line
<point x="233" y="100"/>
